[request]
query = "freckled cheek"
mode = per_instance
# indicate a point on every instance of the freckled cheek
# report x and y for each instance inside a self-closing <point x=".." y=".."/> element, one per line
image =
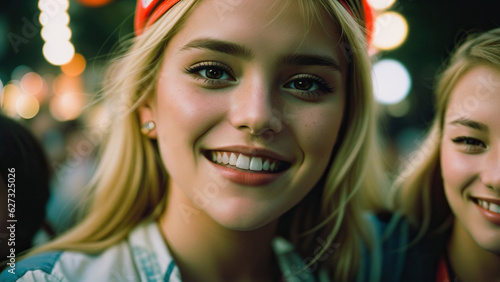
<point x="317" y="134"/>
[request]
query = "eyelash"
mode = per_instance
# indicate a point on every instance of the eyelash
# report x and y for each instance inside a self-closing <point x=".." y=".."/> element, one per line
<point x="322" y="85"/>
<point x="472" y="145"/>
<point x="195" y="69"/>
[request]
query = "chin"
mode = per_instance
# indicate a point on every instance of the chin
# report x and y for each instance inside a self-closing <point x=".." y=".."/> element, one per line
<point x="243" y="219"/>
<point x="243" y="224"/>
<point x="490" y="243"/>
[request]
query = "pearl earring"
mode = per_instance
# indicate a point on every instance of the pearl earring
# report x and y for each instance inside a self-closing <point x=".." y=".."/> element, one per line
<point x="148" y="127"/>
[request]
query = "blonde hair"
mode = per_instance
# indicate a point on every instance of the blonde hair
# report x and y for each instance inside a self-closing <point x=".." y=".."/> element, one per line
<point x="129" y="184"/>
<point x="419" y="188"/>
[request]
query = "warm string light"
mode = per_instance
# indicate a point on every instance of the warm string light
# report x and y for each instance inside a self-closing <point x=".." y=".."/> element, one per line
<point x="69" y="99"/>
<point x="391" y="30"/>
<point x="94" y="3"/>
<point x="22" y="98"/>
<point x="10" y="93"/>
<point x="391" y="79"/>
<point x="58" y="49"/>
<point x="74" y="67"/>
<point x="27" y="106"/>
<point x="381" y="4"/>
<point x="18" y="97"/>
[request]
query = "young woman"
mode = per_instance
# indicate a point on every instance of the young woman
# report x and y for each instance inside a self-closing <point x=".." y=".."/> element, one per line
<point x="240" y="134"/>
<point x="450" y="192"/>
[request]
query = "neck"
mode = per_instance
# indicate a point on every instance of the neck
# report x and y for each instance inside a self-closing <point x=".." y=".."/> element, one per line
<point x="204" y="250"/>
<point x="468" y="260"/>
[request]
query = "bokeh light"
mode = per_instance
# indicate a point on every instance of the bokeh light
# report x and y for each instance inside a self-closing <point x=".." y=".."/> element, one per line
<point x="10" y="94"/>
<point x="381" y="4"/>
<point x="64" y="83"/>
<point x="61" y="18"/>
<point x="31" y="83"/>
<point x="75" y="67"/>
<point x="52" y="7"/>
<point x="67" y="106"/>
<point x="58" y="52"/>
<point x="27" y="106"/>
<point x="391" y="81"/>
<point x="391" y="30"/>
<point x="56" y="33"/>
<point x="57" y="49"/>
<point x="94" y="3"/>
<point x="69" y="100"/>
<point x="42" y="94"/>
<point x="19" y="72"/>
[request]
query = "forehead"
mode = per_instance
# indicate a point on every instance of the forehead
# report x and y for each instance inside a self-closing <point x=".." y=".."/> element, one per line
<point x="476" y="94"/>
<point x="270" y="25"/>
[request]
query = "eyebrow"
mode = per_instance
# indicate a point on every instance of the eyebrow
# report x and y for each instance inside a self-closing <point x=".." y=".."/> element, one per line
<point x="219" y="46"/>
<point x="243" y="52"/>
<point x="309" y="60"/>
<point x="471" y="123"/>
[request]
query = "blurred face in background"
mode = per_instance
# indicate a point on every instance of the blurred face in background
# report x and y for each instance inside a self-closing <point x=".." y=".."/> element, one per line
<point x="470" y="156"/>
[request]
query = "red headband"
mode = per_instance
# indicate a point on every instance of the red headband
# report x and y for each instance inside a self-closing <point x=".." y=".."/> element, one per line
<point x="148" y="11"/>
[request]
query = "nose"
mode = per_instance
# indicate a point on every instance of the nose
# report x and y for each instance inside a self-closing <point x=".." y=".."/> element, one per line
<point x="252" y="108"/>
<point x="490" y="175"/>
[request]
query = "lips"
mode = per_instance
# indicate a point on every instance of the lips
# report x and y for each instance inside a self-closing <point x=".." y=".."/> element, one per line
<point x="248" y="159"/>
<point x="488" y="204"/>
<point x="248" y="166"/>
<point x="489" y="208"/>
<point x="245" y="162"/>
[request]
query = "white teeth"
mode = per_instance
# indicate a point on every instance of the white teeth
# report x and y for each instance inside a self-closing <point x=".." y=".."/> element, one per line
<point x="256" y="164"/>
<point x="232" y="159"/>
<point x="272" y="166"/>
<point x="482" y="204"/>
<point x="265" y="166"/>
<point x="243" y="162"/>
<point x="489" y="206"/>
<point x="225" y="159"/>
<point x="494" y="208"/>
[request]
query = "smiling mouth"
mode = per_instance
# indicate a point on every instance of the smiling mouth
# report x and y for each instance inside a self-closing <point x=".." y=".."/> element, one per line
<point x="247" y="163"/>
<point x="487" y="205"/>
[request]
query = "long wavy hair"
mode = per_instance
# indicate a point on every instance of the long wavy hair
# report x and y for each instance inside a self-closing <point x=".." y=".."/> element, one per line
<point x="129" y="185"/>
<point x="419" y="188"/>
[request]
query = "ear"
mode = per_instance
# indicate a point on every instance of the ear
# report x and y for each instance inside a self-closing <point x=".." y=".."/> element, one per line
<point x="146" y="115"/>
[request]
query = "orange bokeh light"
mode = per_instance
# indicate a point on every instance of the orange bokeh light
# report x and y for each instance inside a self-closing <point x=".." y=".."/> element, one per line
<point x="94" y="3"/>
<point x="32" y="83"/>
<point x="75" y="67"/>
<point x="8" y="99"/>
<point x="67" y="106"/>
<point x="64" y="83"/>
